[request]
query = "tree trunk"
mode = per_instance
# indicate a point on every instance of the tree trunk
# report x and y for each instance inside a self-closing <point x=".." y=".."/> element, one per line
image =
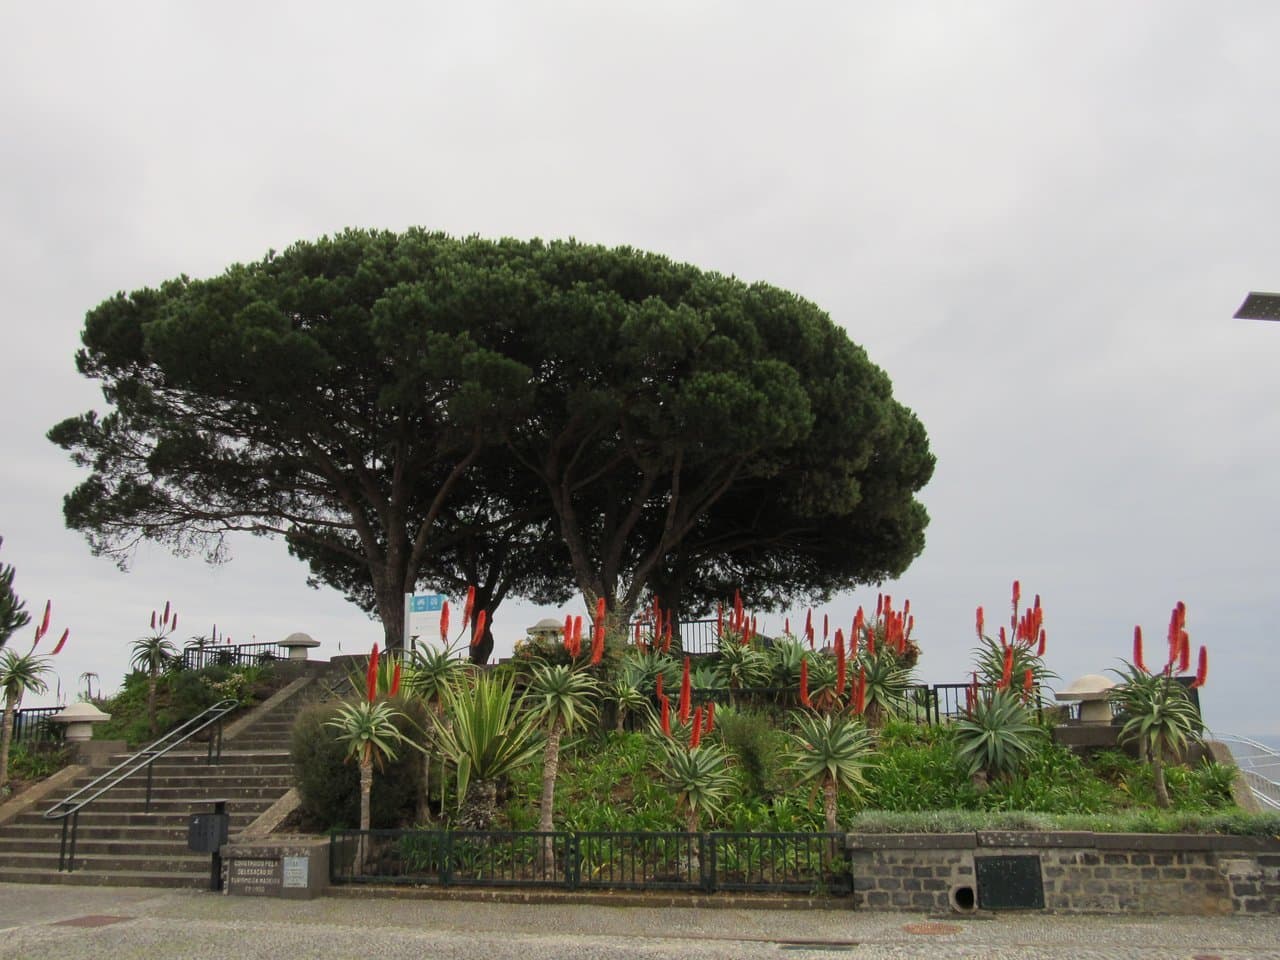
<point x="620" y="718"/>
<point x="1157" y="775"/>
<point x="829" y="794"/>
<point x="480" y="806"/>
<point x="6" y="738"/>
<point x="550" y="767"/>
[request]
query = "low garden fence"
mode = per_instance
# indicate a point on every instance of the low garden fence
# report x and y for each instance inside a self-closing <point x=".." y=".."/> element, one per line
<point x="197" y="656"/>
<point x="808" y="863"/>
<point x="32" y="725"/>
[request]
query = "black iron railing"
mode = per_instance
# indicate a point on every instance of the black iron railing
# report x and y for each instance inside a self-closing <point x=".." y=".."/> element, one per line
<point x="196" y="656"/>
<point x="68" y="809"/>
<point x="32" y="725"/>
<point x="812" y="863"/>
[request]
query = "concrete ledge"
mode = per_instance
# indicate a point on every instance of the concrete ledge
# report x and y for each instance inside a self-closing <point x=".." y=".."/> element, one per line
<point x="35" y="795"/>
<point x="1031" y="838"/>
<point x="271" y="818"/>
<point x="910" y="841"/>
<point x="602" y="898"/>
<point x="236" y="728"/>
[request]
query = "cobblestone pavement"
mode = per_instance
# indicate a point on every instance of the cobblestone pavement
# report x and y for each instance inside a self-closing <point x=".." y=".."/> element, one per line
<point x="69" y="923"/>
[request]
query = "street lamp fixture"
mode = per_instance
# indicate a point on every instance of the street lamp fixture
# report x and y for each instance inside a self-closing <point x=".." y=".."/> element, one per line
<point x="1260" y="306"/>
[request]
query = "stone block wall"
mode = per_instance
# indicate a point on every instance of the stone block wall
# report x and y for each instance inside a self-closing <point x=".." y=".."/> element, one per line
<point x="1172" y="874"/>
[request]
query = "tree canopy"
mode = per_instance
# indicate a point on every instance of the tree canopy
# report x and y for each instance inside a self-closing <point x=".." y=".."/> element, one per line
<point x="532" y="417"/>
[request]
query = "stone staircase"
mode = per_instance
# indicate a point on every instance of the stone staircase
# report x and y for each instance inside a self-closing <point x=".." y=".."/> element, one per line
<point x="119" y="843"/>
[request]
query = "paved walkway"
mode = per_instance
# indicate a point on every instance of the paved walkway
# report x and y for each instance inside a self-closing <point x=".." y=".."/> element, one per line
<point x="69" y="923"/>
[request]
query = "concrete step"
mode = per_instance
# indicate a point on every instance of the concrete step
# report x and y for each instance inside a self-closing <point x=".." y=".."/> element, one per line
<point x="84" y="876"/>
<point x="242" y="814"/>
<point x="177" y="860"/>
<point x="98" y="846"/>
<point x="20" y="833"/>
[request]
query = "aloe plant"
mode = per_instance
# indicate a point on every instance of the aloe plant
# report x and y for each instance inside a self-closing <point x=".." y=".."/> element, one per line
<point x="830" y="752"/>
<point x="698" y="776"/>
<point x="562" y="702"/>
<point x="997" y="736"/>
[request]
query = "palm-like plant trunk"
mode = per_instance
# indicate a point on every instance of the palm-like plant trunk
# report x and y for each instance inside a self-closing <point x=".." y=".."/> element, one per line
<point x="829" y="794"/>
<point x="546" y="810"/>
<point x="480" y="806"/>
<point x="1157" y="775"/>
<point x="151" y="700"/>
<point x="6" y="738"/>
<point x="366" y="792"/>
<point x="424" y="803"/>
<point x="550" y="768"/>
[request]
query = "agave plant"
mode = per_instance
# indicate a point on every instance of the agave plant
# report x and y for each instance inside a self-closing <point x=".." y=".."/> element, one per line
<point x="997" y="736"/>
<point x="830" y="752"/>
<point x="784" y="659"/>
<point x="485" y="737"/>
<point x="698" y="776"/>
<point x="562" y="702"/>
<point x="742" y="666"/>
<point x="627" y="695"/>
<point x="886" y="683"/>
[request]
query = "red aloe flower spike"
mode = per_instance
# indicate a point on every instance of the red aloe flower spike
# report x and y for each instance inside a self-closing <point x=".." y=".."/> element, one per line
<point x="657" y="686"/>
<point x="911" y="625"/>
<point x="1201" y="668"/>
<point x="153" y="624"/>
<point x="686" y="693"/>
<point x="577" y="636"/>
<point x="1174" y="640"/>
<point x="1040" y="648"/>
<point x="719" y="619"/>
<point x="597" y="647"/>
<point x="804" y="682"/>
<point x="371" y="675"/>
<point x="808" y="624"/>
<point x="709" y="718"/>
<point x="44" y="621"/>
<point x="478" y="635"/>
<point x="1006" y="675"/>
<point x="469" y="607"/>
<point x="175" y="622"/>
<point x="840" y="662"/>
<point x="737" y="605"/>
<point x="695" y="734"/>
<point x="67" y="632"/>
<point x="1003" y="642"/>
<point x="600" y="612"/>
<point x="637" y="632"/>
<point x="871" y="640"/>
<point x="860" y="696"/>
<point x="164" y="619"/>
<point x="444" y="622"/>
<point x="1182" y="614"/>
<point x="666" y="717"/>
<point x="753" y="625"/>
<point x="1028" y="681"/>
<point x="1137" y="650"/>
<point x="666" y="635"/>
<point x="969" y="697"/>
<point x="1017" y="593"/>
<point x="786" y="626"/>
<point x="879" y="604"/>
<point x="1184" y="651"/>
<point x="395" y="681"/>
<point x="859" y="619"/>
<point x="826" y="628"/>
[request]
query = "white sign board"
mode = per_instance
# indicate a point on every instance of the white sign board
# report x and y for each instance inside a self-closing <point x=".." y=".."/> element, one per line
<point x="422" y="615"/>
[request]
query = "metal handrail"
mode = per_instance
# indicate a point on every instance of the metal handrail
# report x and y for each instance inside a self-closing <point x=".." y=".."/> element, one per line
<point x="68" y="810"/>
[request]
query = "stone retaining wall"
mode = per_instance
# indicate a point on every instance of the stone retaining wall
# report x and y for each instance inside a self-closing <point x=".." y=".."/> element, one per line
<point x="1177" y="874"/>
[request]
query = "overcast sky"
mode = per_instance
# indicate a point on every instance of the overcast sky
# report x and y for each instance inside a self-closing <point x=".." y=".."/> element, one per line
<point x="1038" y="218"/>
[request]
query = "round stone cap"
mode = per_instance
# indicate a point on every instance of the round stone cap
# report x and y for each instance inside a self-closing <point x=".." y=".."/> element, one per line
<point x="80" y="712"/>
<point x="546" y="625"/>
<point x="299" y="640"/>
<point x="1092" y="686"/>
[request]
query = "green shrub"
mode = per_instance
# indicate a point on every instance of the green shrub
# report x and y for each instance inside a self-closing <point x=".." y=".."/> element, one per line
<point x="329" y="786"/>
<point x="29" y="761"/>
<point x="757" y="747"/>
<point x="916" y="769"/>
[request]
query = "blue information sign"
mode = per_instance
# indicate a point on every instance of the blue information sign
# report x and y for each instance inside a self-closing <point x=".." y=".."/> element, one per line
<point x="426" y="602"/>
